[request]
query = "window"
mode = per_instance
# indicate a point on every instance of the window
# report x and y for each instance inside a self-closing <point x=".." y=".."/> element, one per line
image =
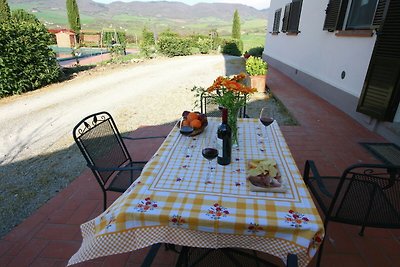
<point x="354" y="14"/>
<point x="291" y="17"/>
<point x="277" y="19"/>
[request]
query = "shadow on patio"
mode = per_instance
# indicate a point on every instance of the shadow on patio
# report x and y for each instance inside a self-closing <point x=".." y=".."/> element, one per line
<point x="325" y="134"/>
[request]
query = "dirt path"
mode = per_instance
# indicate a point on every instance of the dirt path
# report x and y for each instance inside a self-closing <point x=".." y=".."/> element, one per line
<point x="146" y="94"/>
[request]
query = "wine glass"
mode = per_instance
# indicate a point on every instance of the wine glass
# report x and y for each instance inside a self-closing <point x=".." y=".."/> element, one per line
<point x="209" y="153"/>
<point x="186" y="130"/>
<point x="266" y="116"/>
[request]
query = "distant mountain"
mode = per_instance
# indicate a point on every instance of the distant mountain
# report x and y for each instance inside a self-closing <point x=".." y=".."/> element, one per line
<point x="123" y="14"/>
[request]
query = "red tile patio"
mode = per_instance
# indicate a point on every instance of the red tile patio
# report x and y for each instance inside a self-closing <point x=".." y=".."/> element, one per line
<point x="51" y="235"/>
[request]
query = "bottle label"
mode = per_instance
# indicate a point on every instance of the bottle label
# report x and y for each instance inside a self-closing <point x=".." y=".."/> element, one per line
<point x="219" y="148"/>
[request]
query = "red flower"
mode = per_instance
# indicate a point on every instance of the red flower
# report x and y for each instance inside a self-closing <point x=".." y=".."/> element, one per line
<point x="305" y="219"/>
<point x="148" y="203"/>
<point x="147" y="199"/>
<point x="291" y="211"/>
<point x="317" y="239"/>
<point x="155" y="205"/>
<point x="216" y="205"/>
<point x="226" y="212"/>
<point x="174" y="220"/>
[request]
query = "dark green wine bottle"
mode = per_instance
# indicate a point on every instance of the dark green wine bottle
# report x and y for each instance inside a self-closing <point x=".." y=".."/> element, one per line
<point x="224" y="140"/>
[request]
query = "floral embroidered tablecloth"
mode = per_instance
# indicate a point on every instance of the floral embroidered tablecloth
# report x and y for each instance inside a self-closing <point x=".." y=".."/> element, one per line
<point x="173" y="202"/>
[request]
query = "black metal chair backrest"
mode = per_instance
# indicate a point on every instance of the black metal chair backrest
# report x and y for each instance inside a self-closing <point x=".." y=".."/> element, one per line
<point x="101" y="144"/>
<point x="368" y="195"/>
<point x="211" y="109"/>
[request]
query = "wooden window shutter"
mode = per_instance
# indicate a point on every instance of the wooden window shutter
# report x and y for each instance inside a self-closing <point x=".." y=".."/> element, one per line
<point x="380" y="14"/>
<point x="294" y="17"/>
<point x="277" y="20"/>
<point x="285" y="21"/>
<point x="335" y="13"/>
<point x="380" y="96"/>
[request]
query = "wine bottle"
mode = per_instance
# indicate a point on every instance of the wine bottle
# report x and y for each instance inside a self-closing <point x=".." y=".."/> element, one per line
<point x="224" y="140"/>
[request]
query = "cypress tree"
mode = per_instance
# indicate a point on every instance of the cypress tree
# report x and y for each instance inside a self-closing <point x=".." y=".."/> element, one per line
<point x="5" y="13"/>
<point x="236" y="25"/>
<point x="73" y="16"/>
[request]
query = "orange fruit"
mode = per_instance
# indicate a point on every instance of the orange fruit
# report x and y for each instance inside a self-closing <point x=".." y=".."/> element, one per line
<point x="185" y="123"/>
<point x="192" y="116"/>
<point x="196" y="124"/>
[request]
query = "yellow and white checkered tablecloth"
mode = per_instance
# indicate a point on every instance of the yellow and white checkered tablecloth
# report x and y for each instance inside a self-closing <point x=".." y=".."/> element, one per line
<point x="172" y="202"/>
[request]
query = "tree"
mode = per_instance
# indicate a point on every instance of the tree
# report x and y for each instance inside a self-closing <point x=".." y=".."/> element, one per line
<point x="5" y="13"/>
<point x="236" y="25"/>
<point x="20" y="15"/>
<point x="73" y="16"/>
<point x="26" y="61"/>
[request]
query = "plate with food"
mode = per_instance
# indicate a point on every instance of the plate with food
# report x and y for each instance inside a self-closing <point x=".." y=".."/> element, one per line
<point x="264" y="176"/>
<point x="192" y="123"/>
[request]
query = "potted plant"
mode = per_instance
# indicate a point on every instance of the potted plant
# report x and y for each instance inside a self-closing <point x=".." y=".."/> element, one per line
<point x="257" y="70"/>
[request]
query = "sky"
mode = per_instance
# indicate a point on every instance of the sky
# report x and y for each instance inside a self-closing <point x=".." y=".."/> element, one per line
<point x="259" y="4"/>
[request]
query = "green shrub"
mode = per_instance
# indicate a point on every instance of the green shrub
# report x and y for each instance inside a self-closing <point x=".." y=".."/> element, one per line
<point x="147" y="44"/>
<point x="168" y="33"/>
<point x="119" y="38"/>
<point x="256" y="51"/>
<point x="232" y="47"/>
<point x="204" y="45"/>
<point x="174" y="46"/>
<point x="256" y="66"/>
<point x="26" y="61"/>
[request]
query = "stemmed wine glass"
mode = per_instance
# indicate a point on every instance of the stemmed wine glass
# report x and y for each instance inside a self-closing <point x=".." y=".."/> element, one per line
<point x="186" y="130"/>
<point x="209" y="153"/>
<point x="266" y="116"/>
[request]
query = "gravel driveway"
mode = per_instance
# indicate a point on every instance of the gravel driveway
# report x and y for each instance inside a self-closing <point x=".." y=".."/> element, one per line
<point x="37" y="155"/>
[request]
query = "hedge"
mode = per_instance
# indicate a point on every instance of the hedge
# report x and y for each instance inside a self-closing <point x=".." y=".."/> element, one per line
<point x="174" y="46"/>
<point x="232" y="47"/>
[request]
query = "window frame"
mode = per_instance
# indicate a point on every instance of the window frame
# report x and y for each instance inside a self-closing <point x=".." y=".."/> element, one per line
<point x="337" y="14"/>
<point x="291" y="17"/>
<point x="277" y="20"/>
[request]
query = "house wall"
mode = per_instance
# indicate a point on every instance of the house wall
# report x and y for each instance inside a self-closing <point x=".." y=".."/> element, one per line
<point x="65" y="39"/>
<point x="316" y="59"/>
<point x="320" y="53"/>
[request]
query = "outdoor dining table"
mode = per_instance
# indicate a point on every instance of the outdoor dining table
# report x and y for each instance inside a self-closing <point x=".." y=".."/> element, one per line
<point x="173" y="202"/>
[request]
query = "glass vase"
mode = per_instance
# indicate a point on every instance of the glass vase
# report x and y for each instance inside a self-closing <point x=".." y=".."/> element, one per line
<point x="232" y="122"/>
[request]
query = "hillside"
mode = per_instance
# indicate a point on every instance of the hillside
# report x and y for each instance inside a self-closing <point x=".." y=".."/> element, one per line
<point x="133" y="16"/>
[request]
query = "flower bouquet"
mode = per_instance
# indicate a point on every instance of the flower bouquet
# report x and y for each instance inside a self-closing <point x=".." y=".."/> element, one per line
<point x="231" y="93"/>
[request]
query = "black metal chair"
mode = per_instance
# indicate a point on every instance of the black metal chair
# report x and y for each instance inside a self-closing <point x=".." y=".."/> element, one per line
<point x="212" y="110"/>
<point x="228" y="257"/>
<point x="366" y="194"/>
<point x="106" y="154"/>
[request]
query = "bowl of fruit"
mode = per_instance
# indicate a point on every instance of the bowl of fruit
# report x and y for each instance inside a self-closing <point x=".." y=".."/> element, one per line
<point x="192" y="123"/>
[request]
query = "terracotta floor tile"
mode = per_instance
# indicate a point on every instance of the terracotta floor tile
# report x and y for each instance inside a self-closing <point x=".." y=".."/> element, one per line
<point x="60" y="249"/>
<point x="119" y="260"/>
<point x="27" y="255"/>
<point x="43" y="262"/>
<point x="57" y="232"/>
<point x="5" y="246"/>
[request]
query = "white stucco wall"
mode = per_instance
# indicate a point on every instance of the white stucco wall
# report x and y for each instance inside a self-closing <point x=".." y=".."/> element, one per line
<point x="319" y="53"/>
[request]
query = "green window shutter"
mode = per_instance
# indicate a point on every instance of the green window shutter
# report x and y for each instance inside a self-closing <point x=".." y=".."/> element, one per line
<point x="277" y="19"/>
<point x="285" y="21"/>
<point x="335" y="13"/>
<point x="294" y="17"/>
<point x="381" y="91"/>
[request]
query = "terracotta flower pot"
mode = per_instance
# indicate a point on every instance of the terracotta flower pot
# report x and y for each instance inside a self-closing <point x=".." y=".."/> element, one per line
<point x="258" y="82"/>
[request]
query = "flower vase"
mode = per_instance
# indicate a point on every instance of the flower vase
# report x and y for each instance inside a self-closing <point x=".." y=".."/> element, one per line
<point x="232" y="122"/>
